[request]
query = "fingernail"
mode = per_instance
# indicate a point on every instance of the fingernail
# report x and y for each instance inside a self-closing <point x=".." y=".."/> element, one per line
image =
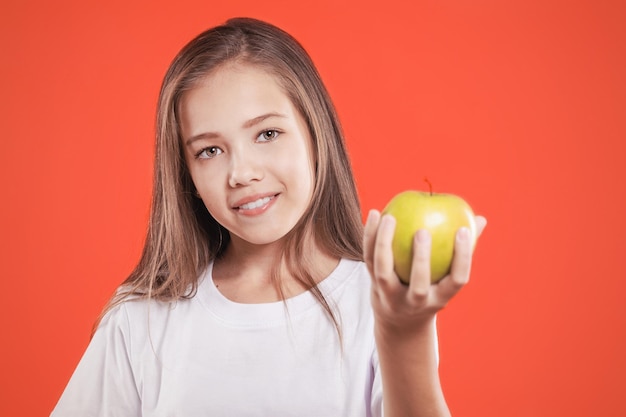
<point x="423" y="236"/>
<point x="371" y="216"/>
<point x="389" y="220"/>
<point x="463" y="234"/>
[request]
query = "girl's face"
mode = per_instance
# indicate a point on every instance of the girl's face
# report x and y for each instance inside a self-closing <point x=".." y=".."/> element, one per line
<point x="249" y="153"/>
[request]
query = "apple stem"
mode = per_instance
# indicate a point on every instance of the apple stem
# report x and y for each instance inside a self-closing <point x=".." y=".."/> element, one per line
<point x="430" y="186"/>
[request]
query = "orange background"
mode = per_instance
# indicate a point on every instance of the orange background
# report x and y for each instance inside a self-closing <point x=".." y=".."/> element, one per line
<point x="518" y="106"/>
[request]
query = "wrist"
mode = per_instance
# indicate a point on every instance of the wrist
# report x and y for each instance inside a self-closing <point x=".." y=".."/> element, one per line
<point x="392" y="337"/>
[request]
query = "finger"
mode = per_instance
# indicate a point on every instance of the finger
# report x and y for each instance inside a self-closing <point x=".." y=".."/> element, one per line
<point x="419" y="284"/>
<point x="383" y="254"/>
<point x="369" y="238"/>
<point x="462" y="260"/>
<point x="481" y="222"/>
<point x="460" y="268"/>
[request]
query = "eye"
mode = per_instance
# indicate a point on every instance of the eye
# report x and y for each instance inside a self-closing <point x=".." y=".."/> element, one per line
<point x="268" y="135"/>
<point x="208" y="152"/>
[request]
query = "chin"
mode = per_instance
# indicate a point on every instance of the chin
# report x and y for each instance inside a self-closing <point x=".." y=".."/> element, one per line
<point x="261" y="239"/>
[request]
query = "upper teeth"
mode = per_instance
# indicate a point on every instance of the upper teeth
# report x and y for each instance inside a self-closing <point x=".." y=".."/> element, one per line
<point x="258" y="203"/>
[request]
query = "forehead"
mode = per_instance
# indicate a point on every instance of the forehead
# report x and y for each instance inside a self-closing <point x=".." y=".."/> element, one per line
<point x="236" y="93"/>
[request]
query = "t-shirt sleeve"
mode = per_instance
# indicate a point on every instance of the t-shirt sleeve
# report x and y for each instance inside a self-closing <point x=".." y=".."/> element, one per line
<point x="376" y="405"/>
<point x="103" y="383"/>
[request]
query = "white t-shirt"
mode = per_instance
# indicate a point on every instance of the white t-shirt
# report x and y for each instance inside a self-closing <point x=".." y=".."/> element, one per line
<point x="209" y="356"/>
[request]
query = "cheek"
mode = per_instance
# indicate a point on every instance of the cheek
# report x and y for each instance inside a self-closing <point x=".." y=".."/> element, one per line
<point x="206" y="185"/>
<point x="212" y="213"/>
<point x="298" y="164"/>
<point x="216" y="211"/>
<point x="303" y="175"/>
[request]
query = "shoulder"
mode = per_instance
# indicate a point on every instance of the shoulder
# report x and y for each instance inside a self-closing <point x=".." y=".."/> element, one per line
<point x="352" y="293"/>
<point x="353" y="274"/>
<point x="137" y="316"/>
<point x="350" y="268"/>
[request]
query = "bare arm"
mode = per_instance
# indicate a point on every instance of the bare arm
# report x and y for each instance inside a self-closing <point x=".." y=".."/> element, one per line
<point x="405" y="318"/>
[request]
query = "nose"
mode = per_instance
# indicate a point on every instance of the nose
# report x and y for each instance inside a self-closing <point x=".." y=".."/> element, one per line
<point x="244" y="168"/>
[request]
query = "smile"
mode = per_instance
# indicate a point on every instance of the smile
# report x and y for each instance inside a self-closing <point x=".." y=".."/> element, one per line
<point x="256" y="204"/>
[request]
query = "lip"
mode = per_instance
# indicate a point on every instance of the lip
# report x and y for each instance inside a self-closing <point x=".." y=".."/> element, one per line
<point x="254" y="197"/>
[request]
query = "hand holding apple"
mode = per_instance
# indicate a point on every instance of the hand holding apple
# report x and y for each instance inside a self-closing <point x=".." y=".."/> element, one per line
<point x="442" y="215"/>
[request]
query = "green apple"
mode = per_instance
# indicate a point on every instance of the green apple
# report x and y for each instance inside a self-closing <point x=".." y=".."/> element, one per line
<point x="442" y="215"/>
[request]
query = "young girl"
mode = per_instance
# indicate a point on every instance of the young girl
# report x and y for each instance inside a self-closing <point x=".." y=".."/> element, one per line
<point x="251" y="297"/>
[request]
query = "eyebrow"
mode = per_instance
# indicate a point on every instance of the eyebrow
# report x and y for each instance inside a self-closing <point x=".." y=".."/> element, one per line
<point x="247" y="125"/>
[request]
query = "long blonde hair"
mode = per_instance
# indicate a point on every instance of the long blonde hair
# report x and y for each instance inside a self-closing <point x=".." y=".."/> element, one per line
<point x="182" y="236"/>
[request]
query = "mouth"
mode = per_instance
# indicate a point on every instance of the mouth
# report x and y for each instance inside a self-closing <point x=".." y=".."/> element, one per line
<point x="255" y="204"/>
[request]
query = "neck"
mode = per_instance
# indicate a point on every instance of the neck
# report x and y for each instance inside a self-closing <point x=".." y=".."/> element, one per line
<point x="249" y="258"/>
<point x="244" y="272"/>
